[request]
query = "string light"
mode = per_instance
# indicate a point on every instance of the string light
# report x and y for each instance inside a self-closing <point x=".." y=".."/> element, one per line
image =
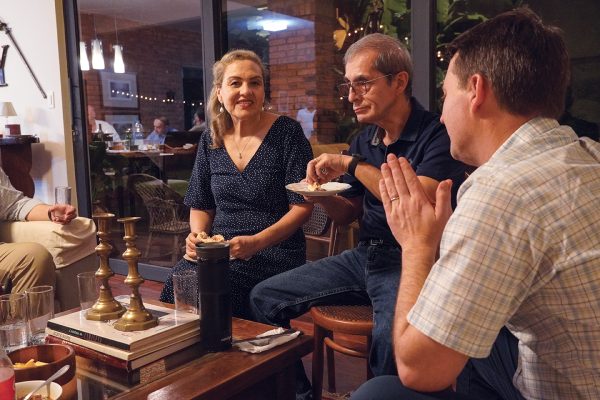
<point x="152" y="98"/>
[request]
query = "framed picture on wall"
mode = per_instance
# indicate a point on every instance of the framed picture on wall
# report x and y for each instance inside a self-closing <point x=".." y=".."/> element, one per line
<point x="122" y="123"/>
<point x="119" y="90"/>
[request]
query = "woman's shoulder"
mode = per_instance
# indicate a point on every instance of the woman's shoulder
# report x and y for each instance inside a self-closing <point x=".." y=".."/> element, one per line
<point x="287" y="128"/>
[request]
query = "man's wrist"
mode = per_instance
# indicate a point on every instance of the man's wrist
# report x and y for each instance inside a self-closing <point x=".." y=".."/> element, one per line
<point x="356" y="158"/>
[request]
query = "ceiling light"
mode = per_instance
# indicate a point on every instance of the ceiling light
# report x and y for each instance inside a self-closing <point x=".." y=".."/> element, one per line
<point x="274" y="25"/>
<point x="84" y="62"/>
<point x="97" y="56"/>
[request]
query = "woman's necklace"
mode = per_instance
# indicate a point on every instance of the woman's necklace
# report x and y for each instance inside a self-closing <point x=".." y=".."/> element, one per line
<point x="243" y="148"/>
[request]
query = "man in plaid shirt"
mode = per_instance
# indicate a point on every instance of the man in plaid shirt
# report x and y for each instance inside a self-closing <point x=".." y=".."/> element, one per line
<point x="509" y="310"/>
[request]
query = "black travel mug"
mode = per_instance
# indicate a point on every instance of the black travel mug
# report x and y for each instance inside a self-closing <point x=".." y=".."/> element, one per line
<point x="214" y="296"/>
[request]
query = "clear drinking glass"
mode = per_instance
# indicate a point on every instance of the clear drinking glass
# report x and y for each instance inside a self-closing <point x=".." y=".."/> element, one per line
<point x="89" y="289"/>
<point x="62" y="195"/>
<point x="13" y="321"/>
<point x="40" y="309"/>
<point x="185" y="289"/>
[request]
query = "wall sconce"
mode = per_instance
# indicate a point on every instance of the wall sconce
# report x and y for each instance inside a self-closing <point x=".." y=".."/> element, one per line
<point x="84" y="62"/>
<point x="97" y="56"/>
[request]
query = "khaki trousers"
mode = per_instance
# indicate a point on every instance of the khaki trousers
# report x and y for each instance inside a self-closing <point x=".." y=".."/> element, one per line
<point x="28" y="264"/>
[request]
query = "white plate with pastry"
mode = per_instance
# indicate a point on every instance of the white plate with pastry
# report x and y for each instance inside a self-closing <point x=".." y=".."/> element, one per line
<point x="326" y="189"/>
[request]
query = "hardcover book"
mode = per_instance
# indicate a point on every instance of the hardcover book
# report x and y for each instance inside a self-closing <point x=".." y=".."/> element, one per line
<point x="170" y="324"/>
<point x="127" y="365"/>
<point x="95" y="370"/>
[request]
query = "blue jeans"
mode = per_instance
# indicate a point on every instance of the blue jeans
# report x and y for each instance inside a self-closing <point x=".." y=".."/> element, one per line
<point x="365" y="274"/>
<point x="487" y="378"/>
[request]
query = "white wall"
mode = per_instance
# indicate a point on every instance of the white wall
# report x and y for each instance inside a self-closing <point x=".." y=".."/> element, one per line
<point x="37" y="28"/>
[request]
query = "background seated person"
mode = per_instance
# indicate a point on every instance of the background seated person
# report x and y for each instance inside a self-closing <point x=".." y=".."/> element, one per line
<point x="199" y="123"/>
<point x="27" y="264"/>
<point x="96" y="124"/>
<point x="237" y="188"/>
<point x="161" y="127"/>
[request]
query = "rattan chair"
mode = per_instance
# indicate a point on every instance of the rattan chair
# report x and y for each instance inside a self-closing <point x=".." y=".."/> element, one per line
<point x="331" y="320"/>
<point x="166" y="211"/>
<point x="316" y="228"/>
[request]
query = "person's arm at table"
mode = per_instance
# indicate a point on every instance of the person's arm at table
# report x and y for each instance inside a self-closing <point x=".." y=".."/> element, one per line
<point x="58" y="213"/>
<point x="244" y="247"/>
<point x="200" y="221"/>
<point x="423" y="364"/>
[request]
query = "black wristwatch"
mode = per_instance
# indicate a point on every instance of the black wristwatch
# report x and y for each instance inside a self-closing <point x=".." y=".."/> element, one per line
<point x="356" y="158"/>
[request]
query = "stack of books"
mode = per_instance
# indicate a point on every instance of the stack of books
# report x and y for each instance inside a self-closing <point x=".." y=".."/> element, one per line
<point x="129" y="357"/>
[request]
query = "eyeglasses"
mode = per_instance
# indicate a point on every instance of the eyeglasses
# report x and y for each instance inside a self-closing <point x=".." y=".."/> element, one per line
<point x="360" y="87"/>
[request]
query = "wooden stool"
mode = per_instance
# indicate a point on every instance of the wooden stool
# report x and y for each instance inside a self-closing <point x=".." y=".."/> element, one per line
<point x="327" y="320"/>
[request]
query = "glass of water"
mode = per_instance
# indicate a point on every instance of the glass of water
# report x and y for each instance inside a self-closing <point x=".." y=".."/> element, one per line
<point x="13" y="321"/>
<point x="62" y="195"/>
<point x="40" y="309"/>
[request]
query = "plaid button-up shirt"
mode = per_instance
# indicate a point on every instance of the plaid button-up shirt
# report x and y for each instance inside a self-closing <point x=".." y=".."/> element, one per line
<point x="523" y="250"/>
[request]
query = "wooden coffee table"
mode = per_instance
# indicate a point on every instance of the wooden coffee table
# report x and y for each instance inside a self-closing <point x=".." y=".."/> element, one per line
<point x="231" y="374"/>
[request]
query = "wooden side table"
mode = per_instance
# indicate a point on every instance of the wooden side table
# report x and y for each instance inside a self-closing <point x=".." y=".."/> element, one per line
<point x="15" y="153"/>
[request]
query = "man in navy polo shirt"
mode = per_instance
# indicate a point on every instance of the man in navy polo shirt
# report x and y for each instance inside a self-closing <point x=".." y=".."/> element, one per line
<point x="378" y="74"/>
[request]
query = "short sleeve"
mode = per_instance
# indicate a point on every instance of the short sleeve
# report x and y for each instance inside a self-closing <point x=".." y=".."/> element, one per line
<point x="199" y="194"/>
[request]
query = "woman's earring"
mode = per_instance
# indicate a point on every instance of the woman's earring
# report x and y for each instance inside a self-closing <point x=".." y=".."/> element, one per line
<point x="221" y="109"/>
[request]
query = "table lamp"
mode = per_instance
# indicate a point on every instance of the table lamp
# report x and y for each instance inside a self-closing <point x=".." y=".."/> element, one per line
<point x="7" y="110"/>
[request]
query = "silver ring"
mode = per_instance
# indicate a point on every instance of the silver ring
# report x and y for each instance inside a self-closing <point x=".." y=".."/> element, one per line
<point x="324" y="171"/>
<point x="394" y="198"/>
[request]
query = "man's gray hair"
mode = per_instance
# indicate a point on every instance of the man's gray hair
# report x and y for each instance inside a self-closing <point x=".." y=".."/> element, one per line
<point x="392" y="55"/>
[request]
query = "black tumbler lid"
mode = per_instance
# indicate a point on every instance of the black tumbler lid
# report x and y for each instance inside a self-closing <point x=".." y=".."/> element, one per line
<point x="212" y="251"/>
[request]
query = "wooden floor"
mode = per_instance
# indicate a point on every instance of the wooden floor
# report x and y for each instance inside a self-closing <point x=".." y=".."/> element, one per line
<point x="350" y="372"/>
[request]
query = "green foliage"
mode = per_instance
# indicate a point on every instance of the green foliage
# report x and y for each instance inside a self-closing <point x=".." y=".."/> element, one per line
<point x="456" y="16"/>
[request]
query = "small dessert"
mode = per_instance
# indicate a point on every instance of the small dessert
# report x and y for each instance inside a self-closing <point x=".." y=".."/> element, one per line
<point x="204" y="237"/>
<point x="315" y="187"/>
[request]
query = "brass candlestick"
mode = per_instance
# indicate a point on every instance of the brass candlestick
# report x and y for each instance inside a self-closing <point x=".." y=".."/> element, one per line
<point x="106" y="307"/>
<point x="136" y="318"/>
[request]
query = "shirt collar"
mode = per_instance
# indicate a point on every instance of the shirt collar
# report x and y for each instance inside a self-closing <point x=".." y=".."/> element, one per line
<point x="411" y="129"/>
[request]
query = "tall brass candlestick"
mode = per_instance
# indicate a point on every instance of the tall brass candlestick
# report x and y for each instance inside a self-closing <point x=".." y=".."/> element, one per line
<point x="136" y="318"/>
<point x="106" y="307"/>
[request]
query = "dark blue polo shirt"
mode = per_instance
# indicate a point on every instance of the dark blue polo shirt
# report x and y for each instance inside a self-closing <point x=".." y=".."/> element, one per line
<point x="425" y="143"/>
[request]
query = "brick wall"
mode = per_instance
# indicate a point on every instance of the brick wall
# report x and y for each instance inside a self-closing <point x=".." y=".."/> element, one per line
<point x="302" y="62"/>
<point x="156" y="54"/>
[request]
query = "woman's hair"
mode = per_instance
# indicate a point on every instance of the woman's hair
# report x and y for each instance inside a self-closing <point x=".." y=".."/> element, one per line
<point x="220" y="121"/>
<point x="392" y="56"/>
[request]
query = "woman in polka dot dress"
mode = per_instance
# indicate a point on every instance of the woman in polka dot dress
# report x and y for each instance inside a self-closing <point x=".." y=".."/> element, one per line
<point x="237" y="187"/>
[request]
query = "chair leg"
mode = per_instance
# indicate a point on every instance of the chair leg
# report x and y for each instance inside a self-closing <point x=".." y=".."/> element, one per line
<point x="330" y="366"/>
<point x="148" y="244"/>
<point x="317" y="361"/>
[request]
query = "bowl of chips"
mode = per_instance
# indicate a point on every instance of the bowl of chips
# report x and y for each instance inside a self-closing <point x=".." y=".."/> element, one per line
<point x="40" y="362"/>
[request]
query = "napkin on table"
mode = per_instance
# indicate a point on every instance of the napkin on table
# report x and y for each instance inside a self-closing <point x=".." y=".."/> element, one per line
<point x="259" y="345"/>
